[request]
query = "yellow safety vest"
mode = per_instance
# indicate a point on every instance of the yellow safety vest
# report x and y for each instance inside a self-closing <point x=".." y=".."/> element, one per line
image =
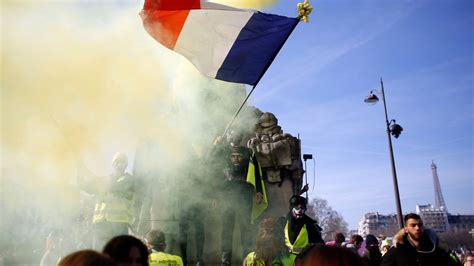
<point x="302" y="240"/>
<point x="284" y="260"/>
<point x="111" y="208"/>
<point x="164" y="259"/>
<point x="254" y="168"/>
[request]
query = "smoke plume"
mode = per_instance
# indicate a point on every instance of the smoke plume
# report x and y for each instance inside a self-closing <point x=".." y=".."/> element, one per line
<point x="81" y="81"/>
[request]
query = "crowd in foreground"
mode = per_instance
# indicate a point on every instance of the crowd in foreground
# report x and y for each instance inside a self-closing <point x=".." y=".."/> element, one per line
<point x="413" y="245"/>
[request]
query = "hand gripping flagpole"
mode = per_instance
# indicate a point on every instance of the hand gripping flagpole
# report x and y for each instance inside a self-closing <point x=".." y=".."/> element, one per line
<point x="304" y="9"/>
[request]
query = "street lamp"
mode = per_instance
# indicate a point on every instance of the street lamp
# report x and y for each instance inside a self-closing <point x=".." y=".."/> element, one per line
<point x="394" y="129"/>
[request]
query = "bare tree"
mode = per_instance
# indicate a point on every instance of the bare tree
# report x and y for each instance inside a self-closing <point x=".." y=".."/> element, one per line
<point x="330" y="220"/>
<point x="456" y="240"/>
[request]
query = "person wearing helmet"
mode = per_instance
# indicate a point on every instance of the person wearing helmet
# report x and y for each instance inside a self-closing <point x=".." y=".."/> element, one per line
<point x="113" y="212"/>
<point x="155" y="240"/>
<point x="301" y="231"/>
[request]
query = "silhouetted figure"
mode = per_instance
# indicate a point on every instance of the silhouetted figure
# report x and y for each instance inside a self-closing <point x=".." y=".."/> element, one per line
<point x="329" y="256"/>
<point x="86" y="258"/>
<point x="372" y="255"/>
<point x="127" y="250"/>
<point x="155" y="241"/>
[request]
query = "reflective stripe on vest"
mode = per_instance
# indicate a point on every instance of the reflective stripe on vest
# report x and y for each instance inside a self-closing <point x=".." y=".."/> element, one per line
<point x="113" y="209"/>
<point x="300" y="243"/>
<point x="164" y="259"/>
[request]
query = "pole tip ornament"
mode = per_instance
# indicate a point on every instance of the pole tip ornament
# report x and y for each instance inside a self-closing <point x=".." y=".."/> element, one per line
<point x="304" y="9"/>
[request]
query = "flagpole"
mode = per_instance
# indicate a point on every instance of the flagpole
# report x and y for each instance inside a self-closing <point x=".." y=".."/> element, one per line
<point x="238" y="111"/>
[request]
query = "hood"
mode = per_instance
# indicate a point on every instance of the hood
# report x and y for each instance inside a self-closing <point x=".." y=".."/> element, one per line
<point x="428" y="235"/>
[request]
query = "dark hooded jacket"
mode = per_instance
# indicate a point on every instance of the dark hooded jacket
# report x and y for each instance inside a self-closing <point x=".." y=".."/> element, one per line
<point x="405" y="254"/>
<point x="295" y="225"/>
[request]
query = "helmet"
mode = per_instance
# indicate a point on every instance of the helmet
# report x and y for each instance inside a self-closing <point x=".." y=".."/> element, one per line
<point x="268" y="120"/>
<point x="120" y="157"/>
<point x="244" y="151"/>
<point x="155" y="237"/>
<point x="296" y="200"/>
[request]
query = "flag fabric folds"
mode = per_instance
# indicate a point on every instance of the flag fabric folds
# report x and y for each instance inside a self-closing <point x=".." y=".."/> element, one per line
<point x="230" y="44"/>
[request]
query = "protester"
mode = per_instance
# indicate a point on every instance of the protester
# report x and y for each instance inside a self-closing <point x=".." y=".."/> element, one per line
<point x="372" y="255"/>
<point x="339" y="239"/>
<point x="155" y="240"/>
<point x="416" y="246"/>
<point x="115" y="209"/>
<point x="236" y="204"/>
<point x="469" y="259"/>
<point x="355" y="243"/>
<point x="86" y="258"/>
<point x="329" y="256"/>
<point x="126" y="250"/>
<point x="385" y="246"/>
<point x="300" y="229"/>
<point x="270" y="246"/>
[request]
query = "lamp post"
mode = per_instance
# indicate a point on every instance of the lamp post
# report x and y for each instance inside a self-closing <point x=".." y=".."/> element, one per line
<point x="394" y="129"/>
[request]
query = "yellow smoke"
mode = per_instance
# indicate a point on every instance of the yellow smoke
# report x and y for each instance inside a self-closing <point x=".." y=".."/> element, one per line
<point x="80" y="82"/>
<point x="254" y="4"/>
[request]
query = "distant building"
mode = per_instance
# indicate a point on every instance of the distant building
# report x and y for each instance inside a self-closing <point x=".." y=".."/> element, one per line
<point x="433" y="218"/>
<point x="351" y="232"/>
<point x="461" y="222"/>
<point x="375" y="224"/>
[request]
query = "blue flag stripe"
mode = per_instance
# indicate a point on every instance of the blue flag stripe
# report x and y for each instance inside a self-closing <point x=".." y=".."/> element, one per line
<point x="255" y="48"/>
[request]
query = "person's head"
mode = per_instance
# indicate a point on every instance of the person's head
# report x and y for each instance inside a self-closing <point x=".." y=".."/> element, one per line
<point x="413" y="226"/>
<point x="127" y="250"/>
<point x="86" y="258"/>
<point x="381" y="237"/>
<point x="155" y="239"/>
<point x="339" y="239"/>
<point x="239" y="156"/>
<point x="270" y="241"/>
<point x="371" y="241"/>
<point x="469" y="259"/>
<point x="356" y="240"/>
<point x="119" y="163"/>
<point x="385" y="246"/>
<point x="298" y="206"/>
<point x="328" y="255"/>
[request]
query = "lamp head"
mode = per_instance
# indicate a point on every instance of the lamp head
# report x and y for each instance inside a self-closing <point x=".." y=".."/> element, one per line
<point x="395" y="129"/>
<point x="371" y="98"/>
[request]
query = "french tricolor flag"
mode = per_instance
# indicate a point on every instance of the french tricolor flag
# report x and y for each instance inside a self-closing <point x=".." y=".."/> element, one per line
<point x="235" y="45"/>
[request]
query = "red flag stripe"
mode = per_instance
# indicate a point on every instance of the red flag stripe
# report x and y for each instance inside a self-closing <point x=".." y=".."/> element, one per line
<point x="171" y="4"/>
<point x="170" y="25"/>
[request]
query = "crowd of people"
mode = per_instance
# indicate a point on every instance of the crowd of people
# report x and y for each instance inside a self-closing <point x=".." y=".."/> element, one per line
<point x="291" y="240"/>
<point x="260" y="183"/>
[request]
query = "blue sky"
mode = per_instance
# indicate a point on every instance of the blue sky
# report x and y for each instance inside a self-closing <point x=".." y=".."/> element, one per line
<point x="423" y="50"/>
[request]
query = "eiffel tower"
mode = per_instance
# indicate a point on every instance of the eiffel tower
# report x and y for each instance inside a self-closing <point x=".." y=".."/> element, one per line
<point x="439" y="200"/>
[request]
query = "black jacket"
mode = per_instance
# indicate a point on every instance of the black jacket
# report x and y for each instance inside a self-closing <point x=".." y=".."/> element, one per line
<point x="405" y="254"/>
<point x="295" y="225"/>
